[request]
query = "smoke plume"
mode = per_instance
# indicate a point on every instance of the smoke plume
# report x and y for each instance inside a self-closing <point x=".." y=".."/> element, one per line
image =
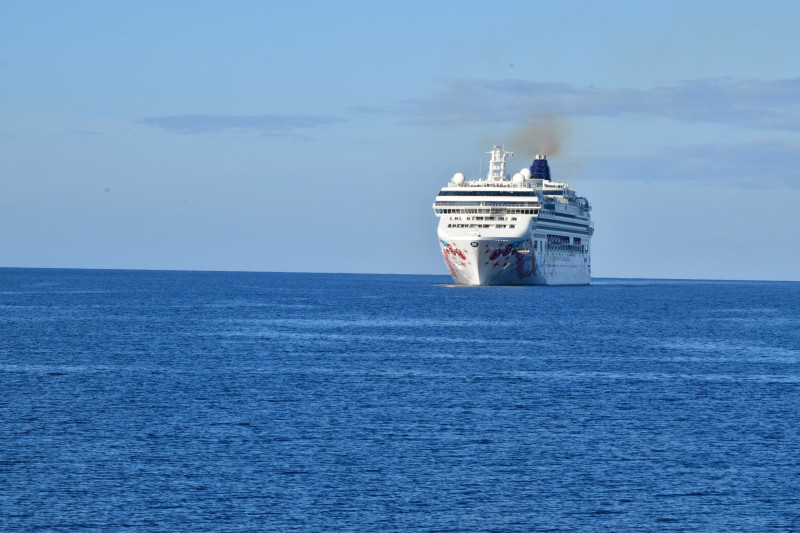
<point x="543" y="136"/>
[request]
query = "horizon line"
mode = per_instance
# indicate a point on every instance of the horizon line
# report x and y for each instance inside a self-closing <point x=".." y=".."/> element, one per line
<point x="218" y="271"/>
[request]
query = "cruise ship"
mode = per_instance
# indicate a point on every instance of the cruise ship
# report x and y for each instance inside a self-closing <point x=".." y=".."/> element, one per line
<point x="523" y="230"/>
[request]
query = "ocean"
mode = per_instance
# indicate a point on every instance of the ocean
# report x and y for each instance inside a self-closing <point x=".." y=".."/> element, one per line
<point x="222" y="401"/>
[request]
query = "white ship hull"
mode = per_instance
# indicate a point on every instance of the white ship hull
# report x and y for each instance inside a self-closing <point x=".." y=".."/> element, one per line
<point x="527" y="230"/>
<point x="514" y="261"/>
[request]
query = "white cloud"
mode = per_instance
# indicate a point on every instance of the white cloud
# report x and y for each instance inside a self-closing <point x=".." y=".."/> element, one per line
<point x="269" y="125"/>
<point x="756" y="165"/>
<point x="771" y="104"/>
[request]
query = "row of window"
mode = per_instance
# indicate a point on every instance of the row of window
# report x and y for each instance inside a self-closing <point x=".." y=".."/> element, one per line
<point x="483" y="203"/>
<point x="510" y="226"/>
<point x="550" y="192"/>
<point x="488" y="193"/>
<point x="487" y="218"/>
<point x="486" y="211"/>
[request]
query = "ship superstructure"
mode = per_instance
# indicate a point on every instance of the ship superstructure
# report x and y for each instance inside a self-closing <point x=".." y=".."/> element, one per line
<point x="523" y="230"/>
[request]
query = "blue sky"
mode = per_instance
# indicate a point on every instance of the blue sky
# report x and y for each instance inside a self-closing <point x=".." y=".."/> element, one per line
<point x="313" y="136"/>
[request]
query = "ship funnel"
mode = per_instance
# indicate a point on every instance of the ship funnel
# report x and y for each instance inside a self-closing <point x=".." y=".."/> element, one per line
<point x="540" y="170"/>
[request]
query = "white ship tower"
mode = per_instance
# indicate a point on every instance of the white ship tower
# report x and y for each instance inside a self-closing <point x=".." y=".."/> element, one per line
<point x="497" y="164"/>
<point x="527" y="230"/>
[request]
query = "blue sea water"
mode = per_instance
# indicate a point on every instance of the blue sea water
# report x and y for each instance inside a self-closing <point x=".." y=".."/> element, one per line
<point x="189" y="401"/>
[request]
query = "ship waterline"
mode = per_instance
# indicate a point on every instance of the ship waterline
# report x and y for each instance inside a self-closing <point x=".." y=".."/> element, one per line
<point x="527" y="230"/>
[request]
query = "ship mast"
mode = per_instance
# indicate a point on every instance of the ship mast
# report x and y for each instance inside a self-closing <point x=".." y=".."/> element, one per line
<point x="497" y="163"/>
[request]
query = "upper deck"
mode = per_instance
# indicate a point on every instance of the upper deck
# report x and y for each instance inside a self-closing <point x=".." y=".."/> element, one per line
<point x="502" y="194"/>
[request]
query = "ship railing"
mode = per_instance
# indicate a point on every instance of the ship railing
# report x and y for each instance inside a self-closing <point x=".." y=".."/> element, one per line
<point x="446" y="203"/>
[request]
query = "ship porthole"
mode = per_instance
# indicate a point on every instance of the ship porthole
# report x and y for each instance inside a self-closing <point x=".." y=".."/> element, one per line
<point x="474" y="244"/>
